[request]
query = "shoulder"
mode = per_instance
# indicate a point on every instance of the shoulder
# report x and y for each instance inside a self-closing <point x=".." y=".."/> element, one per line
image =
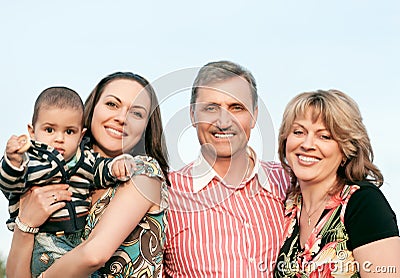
<point x="272" y="167"/>
<point x="185" y="170"/>
<point x="363" y="191"/>
<point x="182" y="174"/>
<point x="271" y="163"/>
<point x="366" y="198"/>
<point x="368" y="215"/>
<point x="362" y="194"/>
<point x="275" y="173"/>
<point x="148" y="166"/>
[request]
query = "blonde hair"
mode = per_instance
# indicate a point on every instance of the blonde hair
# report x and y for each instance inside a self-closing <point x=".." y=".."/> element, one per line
<point x="343" y="120"/>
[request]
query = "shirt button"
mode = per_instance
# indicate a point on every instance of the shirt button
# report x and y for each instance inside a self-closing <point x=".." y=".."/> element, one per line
<point x="247" y="225"/>
<point x="251" y="260"/>
<point x="237" y="192"/>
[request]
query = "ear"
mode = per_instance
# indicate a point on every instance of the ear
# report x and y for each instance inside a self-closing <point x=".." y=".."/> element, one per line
<point x="83" y="133"/>
<point x="31" y="131"/>
<point x="254" y="118"/>
<point x="192" y="116"/>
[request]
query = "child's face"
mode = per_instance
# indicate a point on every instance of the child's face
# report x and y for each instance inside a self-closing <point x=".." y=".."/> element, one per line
<point x="59" y="128"/>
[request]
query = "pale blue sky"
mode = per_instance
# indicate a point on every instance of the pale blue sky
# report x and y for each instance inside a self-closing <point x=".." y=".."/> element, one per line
<point x="290" y="46"/>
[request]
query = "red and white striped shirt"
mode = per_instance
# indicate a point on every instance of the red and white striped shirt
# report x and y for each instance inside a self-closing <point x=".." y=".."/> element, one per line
<point x="215" y="230"/>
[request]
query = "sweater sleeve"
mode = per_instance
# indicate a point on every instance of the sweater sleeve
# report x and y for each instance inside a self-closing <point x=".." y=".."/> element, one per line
<point x="369" y="217"/>
<point x="102" y="175"/>
<point x="12" y="179"/>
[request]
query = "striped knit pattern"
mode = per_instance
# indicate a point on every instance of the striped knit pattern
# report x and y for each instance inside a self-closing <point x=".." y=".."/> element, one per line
<point x="45" y="166"/>
<point x="225" y="232"/>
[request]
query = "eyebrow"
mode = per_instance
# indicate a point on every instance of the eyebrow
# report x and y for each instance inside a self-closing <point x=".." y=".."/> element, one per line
<point x="218" y="104"/>
<point x="53" y="125"/>
<point x="113" y="96"/>
<point x="208" y="103"/>
<point x="130" y="107"/>
<point x="138" y="107"/>
<point x="73" y="126"/>
<point x="302" y="126"/>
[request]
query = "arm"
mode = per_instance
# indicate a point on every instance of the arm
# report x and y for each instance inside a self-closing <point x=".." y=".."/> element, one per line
<point x="35" y="207"/>
<point x="130" y="203"/>
<point x="378" y="258"/>
<point x="373" y="232"/>
<point x="19" y="258"/>
<point x="108" y="171"/>
<point x="13" y="165"/>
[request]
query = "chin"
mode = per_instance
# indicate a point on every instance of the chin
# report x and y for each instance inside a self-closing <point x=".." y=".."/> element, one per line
<point x="224" y="155"/>
<point x="114" y="149"/>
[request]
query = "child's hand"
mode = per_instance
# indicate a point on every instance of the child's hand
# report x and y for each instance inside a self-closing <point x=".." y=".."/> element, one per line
<point x="123" y="167"/>
<point x="16" y="146"/>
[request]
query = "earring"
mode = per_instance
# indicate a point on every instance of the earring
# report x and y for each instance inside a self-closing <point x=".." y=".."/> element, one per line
<point x="343" y="162"/>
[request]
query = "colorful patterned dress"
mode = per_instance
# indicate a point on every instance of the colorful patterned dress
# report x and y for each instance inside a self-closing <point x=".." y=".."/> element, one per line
<point x="328" y="250"/>
<point x="141" y="254"/>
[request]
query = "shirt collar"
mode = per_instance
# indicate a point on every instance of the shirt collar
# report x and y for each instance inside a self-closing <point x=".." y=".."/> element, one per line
<point x="203" y="173"/>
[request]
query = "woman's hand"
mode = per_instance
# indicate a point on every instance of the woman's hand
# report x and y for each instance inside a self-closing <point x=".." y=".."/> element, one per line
<point x="36" y="206"/>
<point x="39" y="203"/>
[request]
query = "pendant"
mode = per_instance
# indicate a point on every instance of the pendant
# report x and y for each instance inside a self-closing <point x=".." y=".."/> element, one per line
<point x="309" y="221"/>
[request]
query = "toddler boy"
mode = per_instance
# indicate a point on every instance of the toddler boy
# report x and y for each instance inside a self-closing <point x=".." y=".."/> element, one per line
<point x="58" y="153"/>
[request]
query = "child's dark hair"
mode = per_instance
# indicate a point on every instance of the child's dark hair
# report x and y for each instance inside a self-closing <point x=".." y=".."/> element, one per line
<point x="58" y="97"/>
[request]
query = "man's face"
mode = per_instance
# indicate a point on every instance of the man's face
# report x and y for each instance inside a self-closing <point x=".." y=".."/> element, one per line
<point x="223" y="116"/>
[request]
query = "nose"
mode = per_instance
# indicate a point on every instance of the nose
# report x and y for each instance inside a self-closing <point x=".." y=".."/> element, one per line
<point x="120" y="115"/>
<point x="308" y="143"/>
<point x="224" y="120"/>
<point x="59" y="137"/>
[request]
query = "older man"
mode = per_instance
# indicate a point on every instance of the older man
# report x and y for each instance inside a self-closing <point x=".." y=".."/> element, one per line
<point x="226" y="208"/>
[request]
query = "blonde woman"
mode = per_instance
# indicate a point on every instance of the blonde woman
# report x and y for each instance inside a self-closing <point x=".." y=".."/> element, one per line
<point x="338" y="223"/>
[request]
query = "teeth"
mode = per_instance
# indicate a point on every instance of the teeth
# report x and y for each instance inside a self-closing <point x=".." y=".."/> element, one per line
<point x="219" y="135"/>
<point x="116" y="132"/>
<point x="308" y="159"/>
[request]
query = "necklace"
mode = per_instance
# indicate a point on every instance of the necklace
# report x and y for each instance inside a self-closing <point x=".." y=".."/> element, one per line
<point x="311" y="214"/>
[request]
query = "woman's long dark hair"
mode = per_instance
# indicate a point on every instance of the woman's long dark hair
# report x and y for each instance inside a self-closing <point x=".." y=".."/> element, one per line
<point x="152" y="142"/>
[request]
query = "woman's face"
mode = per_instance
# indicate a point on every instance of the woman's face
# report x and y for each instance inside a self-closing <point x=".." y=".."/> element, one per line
<point x="120" y="117"/>
<point x="312" y="153"/>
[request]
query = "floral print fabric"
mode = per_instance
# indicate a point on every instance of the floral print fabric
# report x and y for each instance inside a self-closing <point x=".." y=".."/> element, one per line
<point x="325" y="254"/>
<point x="140" y="255"/>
